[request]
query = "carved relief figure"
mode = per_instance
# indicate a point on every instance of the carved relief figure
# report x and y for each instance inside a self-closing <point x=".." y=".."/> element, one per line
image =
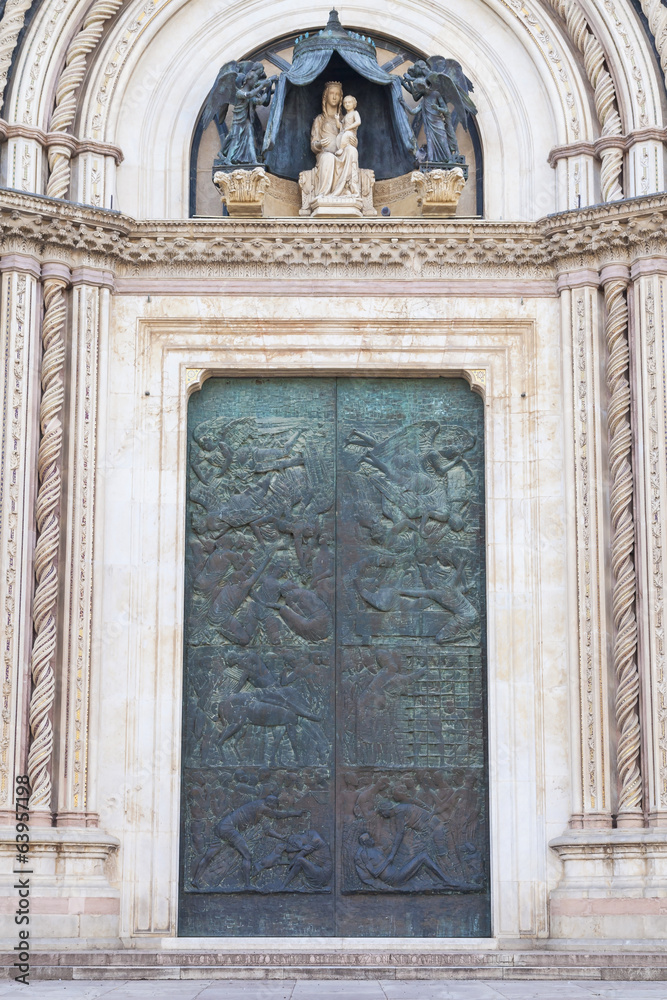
<point x="334" y="658"/>
<point x="230" y="831"/>
<point x="410" y="498"/>
<point x="374" y="865"/>
<point x="396" y="836"/>
<point x="255" y="831"/>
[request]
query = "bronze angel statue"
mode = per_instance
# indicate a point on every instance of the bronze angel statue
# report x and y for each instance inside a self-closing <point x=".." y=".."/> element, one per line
<point x="245" y="86"/>
<point x="436" y="83"/>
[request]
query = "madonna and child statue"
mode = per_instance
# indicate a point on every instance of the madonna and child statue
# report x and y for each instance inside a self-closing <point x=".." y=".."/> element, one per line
<point x="336" y="181"/>
<point x="365" y="130"/>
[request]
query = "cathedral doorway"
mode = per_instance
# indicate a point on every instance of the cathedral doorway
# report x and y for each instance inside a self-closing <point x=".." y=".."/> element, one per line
<point x="335" y="777"/>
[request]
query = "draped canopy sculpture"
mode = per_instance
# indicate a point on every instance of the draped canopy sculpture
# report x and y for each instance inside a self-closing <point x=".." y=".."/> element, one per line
<point x="304" y="130"/>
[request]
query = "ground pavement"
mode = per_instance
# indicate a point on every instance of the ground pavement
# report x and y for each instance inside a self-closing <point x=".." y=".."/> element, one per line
<point x="336" y="990"/>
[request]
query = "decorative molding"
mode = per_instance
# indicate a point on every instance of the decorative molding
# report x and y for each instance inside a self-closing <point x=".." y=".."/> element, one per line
<point x="623" y="142"/>
<point x="634" y="72"/>
<point x="194" y="379"/>
<point x="10" y="29"/>
<point x="656" y="15"/>
<point x="87" y="305"/>
<point x="583" y="489"/>
<point x="655" y="456"/>
<point x="68" y="84"/>
<point x="40" y="50"/>
<point x="257" y="249"/>
<point x="592" y="810"/>
<point x="14" y="324"/>
<point x="48" y="542"/>
<point x="48" y="139"/>
<point x="624" y="584"/>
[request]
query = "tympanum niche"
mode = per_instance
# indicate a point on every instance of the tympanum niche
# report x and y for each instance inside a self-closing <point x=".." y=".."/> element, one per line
<point x="397" y="125"/>
<point x="334" y="738"/>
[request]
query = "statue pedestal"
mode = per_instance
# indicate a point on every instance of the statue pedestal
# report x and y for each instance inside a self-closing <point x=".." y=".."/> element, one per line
<point x="438" y="191"/>
<point x="243" y="191"/>
<point x="340" y="207"/>
<point x="336" y="208"/>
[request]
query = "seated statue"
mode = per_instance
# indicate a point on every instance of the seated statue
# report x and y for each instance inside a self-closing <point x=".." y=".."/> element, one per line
<point x="336" y="186"/>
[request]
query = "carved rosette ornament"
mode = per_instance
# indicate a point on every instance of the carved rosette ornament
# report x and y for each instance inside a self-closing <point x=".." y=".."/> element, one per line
<point x="243" y="191"/>
<point x="622" y="555"/>
<point x="438" y="191"/>
<point x="46" y="549"/>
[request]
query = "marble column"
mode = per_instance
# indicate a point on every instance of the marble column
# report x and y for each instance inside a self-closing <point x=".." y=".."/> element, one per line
<point x="650" y="418"/>
<point x="584" y="378"/>
<point x="91" y="293"/>
<point x="622" y="515"/>
<point x="55" y="278"/>
<point x="19" y="384"/>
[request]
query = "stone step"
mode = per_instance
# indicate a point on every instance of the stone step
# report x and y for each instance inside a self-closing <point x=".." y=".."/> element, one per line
<point x="532" y="965"/>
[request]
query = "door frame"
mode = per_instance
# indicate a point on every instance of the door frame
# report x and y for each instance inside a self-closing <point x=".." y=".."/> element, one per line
<point x="169" y="358"/>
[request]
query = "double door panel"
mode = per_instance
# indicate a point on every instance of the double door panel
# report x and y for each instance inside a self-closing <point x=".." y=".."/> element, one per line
<point x="334" y="738"/>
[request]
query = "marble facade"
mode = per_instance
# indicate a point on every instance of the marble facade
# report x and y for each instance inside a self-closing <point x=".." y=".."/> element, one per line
<point x="551" y="306"/>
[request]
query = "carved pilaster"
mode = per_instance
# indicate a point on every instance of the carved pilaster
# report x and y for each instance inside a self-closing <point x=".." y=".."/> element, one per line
<point x="90" y="310"/>
<point x="591" y="806"/>
<point x="19" y="324"/>
<point x="622" y="543"/>
<point x="45" y="598"/>
<point x="650" y="287"/>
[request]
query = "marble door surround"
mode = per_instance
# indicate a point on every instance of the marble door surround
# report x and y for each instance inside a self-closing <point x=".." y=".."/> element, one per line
<point x="174" y="356"/>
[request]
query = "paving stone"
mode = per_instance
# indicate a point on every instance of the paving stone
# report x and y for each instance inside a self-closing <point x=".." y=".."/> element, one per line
<point x="329" y="989"/>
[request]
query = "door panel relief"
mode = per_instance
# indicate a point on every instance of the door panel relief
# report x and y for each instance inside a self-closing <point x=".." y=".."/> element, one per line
<point x="334" y="744"/>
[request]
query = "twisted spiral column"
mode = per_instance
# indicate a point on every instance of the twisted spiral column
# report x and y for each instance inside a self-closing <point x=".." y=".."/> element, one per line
<point x="622" y="550"/>
<point x="48" y="538"/>
<point x="606" y="105"/>
<point x="68" y="84"/>
<point x="656" y="15"/>
<point x="10" y="28"/>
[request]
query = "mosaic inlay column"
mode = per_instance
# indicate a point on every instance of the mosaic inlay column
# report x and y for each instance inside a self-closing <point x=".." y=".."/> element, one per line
<point x="19" y="323"/>
<point x="581" y="319"/>
<point x="649" y="293"/>
<point x="90" y="311"/>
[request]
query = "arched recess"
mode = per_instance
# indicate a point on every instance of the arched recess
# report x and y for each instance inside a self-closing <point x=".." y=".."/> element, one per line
<point x="39" y="61"/>
<point x="529" y="91"/>
<point x="204" y="198"/>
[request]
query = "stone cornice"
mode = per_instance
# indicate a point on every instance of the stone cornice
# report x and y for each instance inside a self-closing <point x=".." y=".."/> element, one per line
<point x="82" y="236"/>
<point x="596" y="148"/>
<point x="62" y="139"/>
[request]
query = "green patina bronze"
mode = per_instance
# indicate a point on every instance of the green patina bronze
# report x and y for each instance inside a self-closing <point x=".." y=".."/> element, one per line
<point x="334" y="733"/>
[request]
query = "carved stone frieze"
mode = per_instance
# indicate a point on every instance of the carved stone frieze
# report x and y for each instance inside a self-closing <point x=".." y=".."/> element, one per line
<point x="352" y="248"/>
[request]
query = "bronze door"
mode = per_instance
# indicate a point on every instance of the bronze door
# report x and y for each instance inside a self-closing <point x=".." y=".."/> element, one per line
<point x="334" y="731"/>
